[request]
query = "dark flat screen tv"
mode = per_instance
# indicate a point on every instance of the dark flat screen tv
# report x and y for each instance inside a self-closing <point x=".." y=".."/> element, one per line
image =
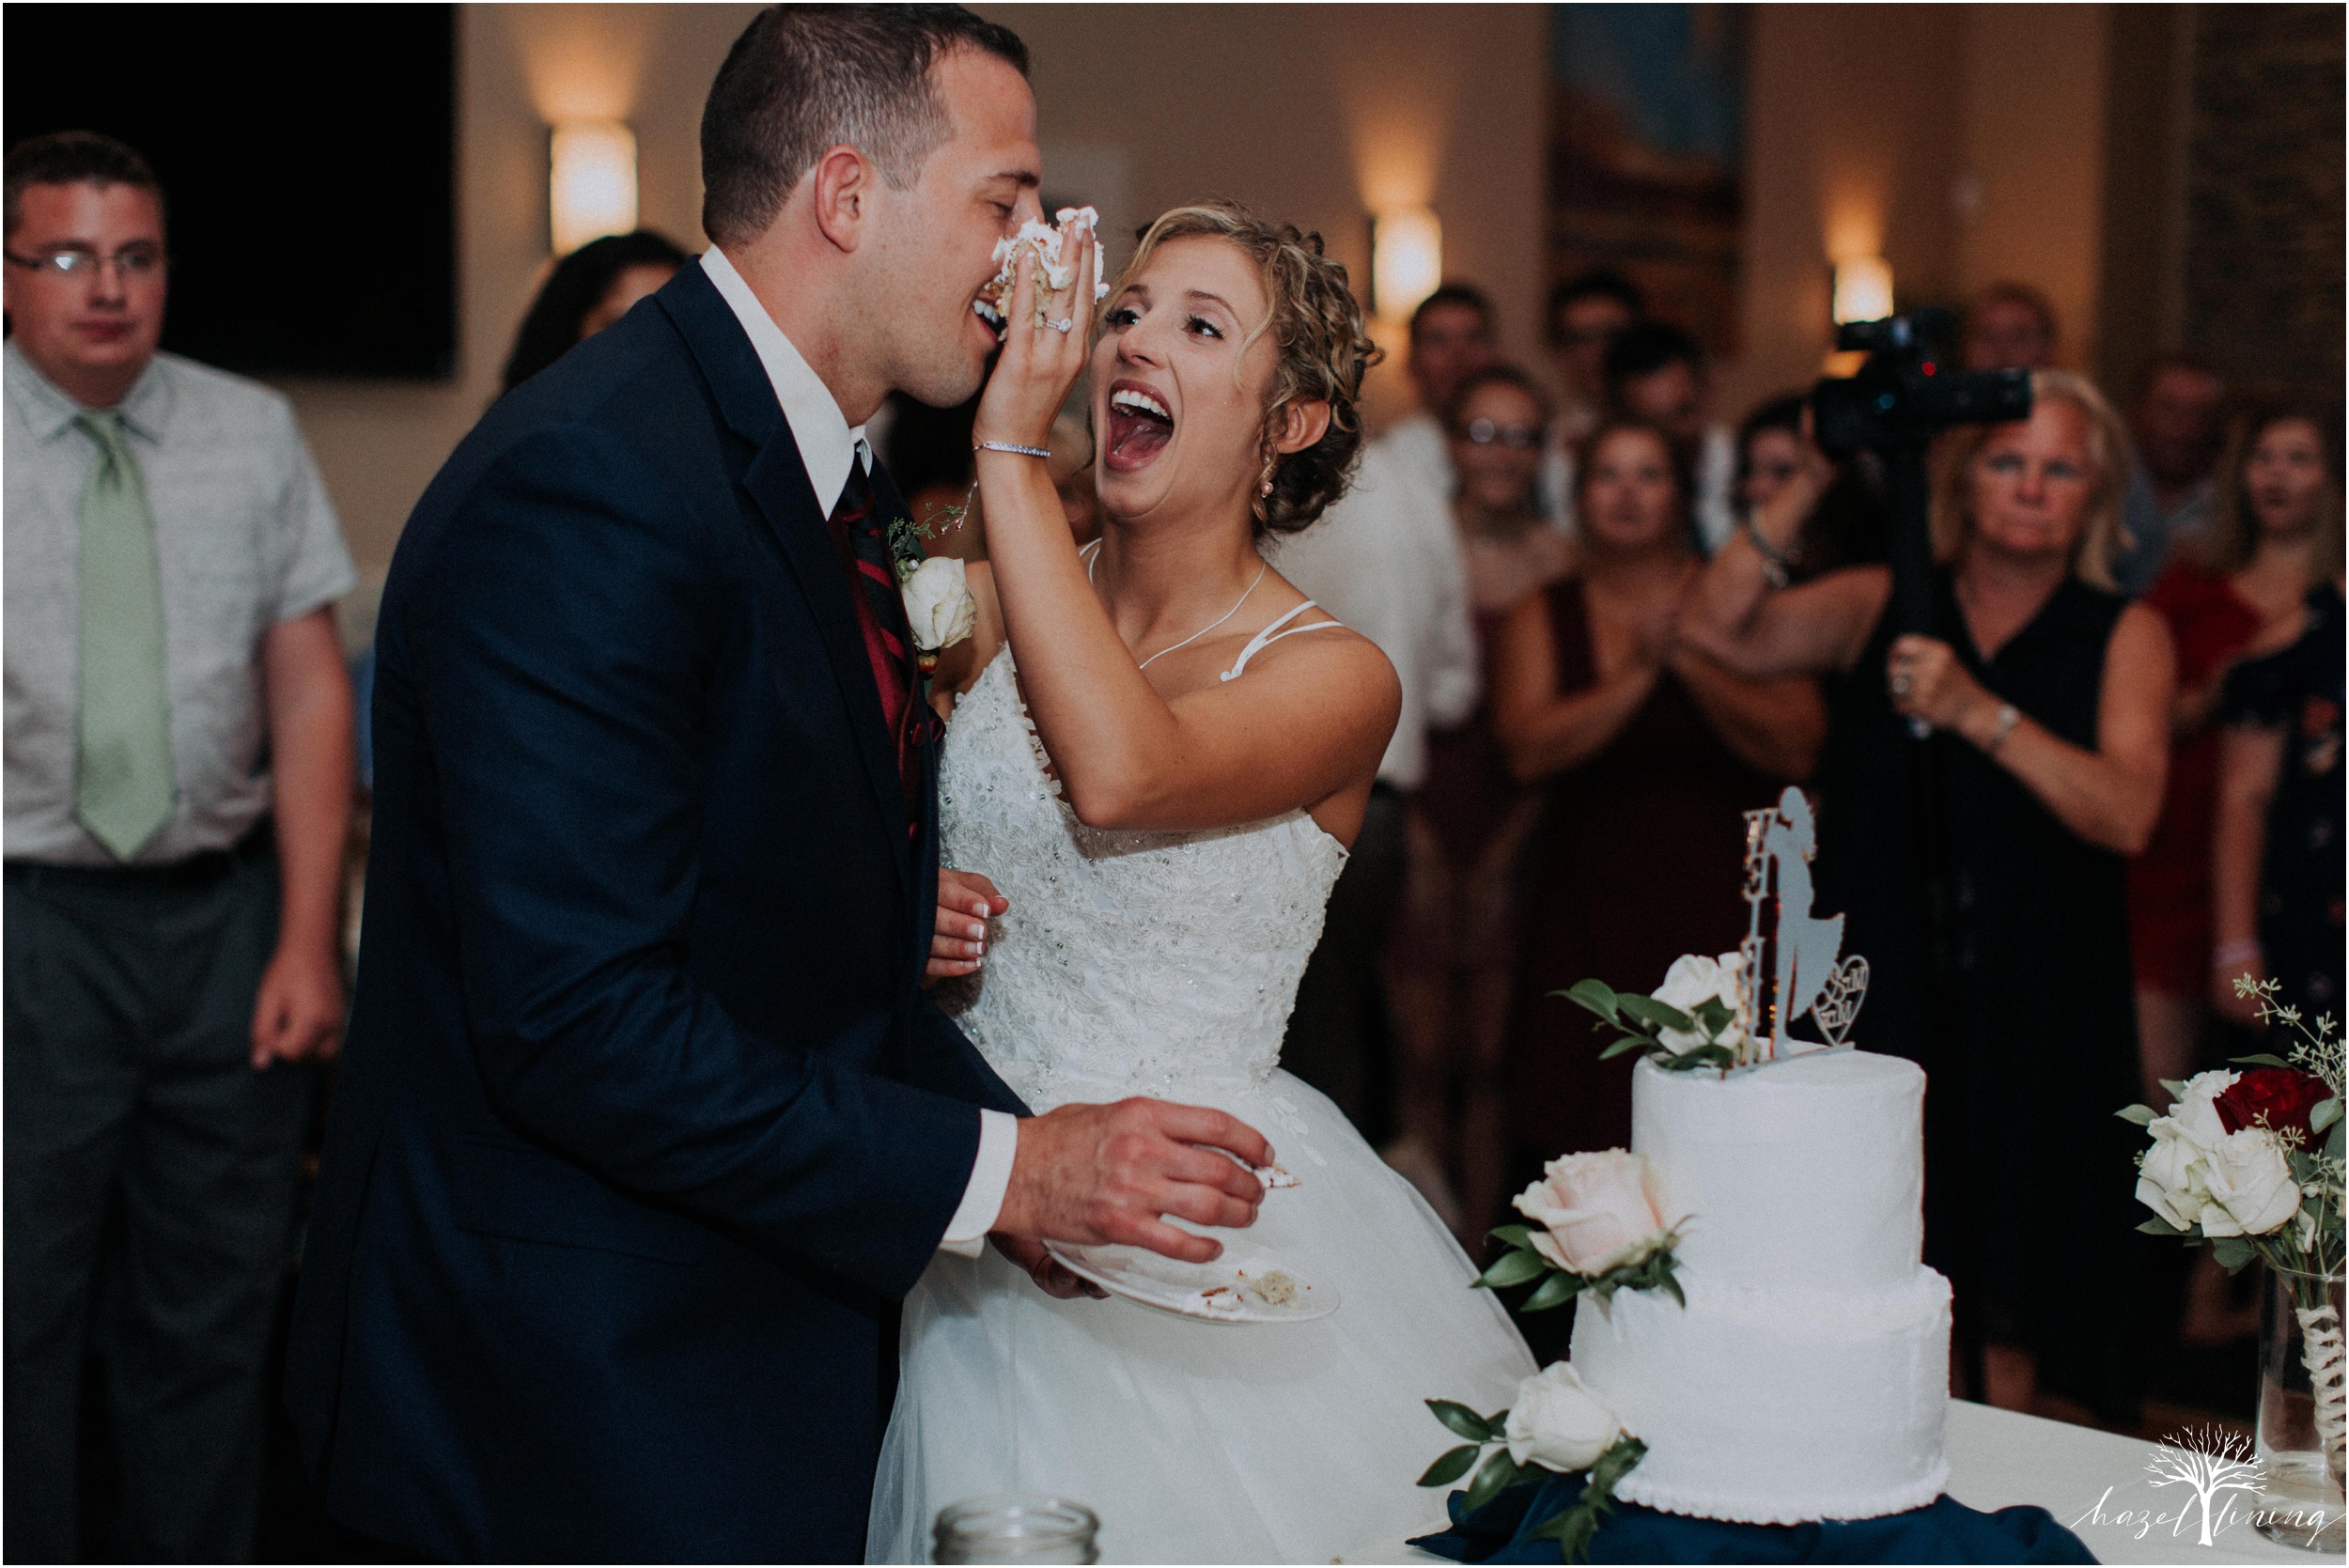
<point x="307" y="153"/>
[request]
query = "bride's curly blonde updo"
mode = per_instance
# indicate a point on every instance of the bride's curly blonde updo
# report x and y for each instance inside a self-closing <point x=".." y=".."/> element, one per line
<point x="1324" y="351"/>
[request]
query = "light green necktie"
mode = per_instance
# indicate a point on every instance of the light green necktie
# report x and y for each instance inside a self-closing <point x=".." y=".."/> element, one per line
<point x="122" y="782"/>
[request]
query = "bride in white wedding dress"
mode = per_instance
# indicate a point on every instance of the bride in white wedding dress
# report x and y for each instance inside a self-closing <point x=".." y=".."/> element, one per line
<point x="1162" y="788"/>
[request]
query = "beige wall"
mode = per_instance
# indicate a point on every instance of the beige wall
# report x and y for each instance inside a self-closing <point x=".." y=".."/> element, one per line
<point x="1963" y="141"/>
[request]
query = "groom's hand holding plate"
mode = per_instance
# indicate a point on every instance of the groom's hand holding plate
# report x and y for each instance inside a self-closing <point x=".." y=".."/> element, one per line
<point x="1099" y="1174"/>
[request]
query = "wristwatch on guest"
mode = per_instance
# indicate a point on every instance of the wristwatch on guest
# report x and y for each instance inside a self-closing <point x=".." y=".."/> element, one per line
<point x="2009" y="716"/>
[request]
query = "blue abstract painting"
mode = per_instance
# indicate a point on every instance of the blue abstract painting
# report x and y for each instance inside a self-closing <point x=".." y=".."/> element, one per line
<point x="1647" y="153"/>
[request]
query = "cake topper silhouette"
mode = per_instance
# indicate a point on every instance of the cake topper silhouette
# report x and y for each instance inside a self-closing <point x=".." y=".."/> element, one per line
<point x="1780" y="842"/>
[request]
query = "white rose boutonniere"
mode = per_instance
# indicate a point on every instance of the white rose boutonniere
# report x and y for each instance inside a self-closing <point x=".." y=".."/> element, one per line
<point x="939" y="605"/>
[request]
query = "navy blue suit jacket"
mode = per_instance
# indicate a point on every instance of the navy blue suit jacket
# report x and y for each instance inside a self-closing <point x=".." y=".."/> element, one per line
<point x="645" y="1124"/>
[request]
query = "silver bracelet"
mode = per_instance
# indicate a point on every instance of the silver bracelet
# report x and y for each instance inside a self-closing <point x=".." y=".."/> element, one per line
<point x="1011" y="446"/>
<point x="2009" y="716"/>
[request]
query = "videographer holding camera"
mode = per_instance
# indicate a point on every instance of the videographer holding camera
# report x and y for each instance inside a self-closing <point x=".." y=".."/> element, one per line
<point x="2047" y="697"/>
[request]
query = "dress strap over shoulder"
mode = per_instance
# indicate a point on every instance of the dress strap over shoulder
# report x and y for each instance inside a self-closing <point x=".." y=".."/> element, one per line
<point x="1273" y="633"/>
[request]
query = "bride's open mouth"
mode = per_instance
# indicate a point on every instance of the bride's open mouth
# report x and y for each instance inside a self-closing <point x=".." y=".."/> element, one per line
<point x="1140" y="425"/>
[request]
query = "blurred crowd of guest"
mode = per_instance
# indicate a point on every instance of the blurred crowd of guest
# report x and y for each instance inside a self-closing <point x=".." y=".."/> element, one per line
<point x="1619" y="621"/>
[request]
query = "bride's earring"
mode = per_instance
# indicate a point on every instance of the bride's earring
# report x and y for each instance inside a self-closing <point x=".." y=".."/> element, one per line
<point x="1264" y="487"/>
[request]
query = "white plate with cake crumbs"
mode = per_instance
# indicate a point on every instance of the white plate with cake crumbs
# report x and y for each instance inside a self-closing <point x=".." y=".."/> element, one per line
<point x="1247" y="1285"/>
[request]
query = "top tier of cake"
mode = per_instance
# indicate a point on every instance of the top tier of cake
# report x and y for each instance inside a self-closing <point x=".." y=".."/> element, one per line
<point x="1808" y="1172"/>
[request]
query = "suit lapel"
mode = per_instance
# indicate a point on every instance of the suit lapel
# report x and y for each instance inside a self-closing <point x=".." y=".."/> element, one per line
<point x="776" y="484"/>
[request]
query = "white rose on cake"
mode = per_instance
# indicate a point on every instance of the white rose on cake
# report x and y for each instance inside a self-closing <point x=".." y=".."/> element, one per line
<point x="1558" y="1423"/>
<point x="1595" y="1212"/>
<point x="1692" y="982"/>
<point x="939" y="605"/>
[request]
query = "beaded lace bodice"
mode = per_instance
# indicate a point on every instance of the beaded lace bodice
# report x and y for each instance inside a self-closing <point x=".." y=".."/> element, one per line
<point x="1130" y="962"/>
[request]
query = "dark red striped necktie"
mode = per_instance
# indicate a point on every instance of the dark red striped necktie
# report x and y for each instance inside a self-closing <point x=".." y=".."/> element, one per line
<point x="889" y="641"/>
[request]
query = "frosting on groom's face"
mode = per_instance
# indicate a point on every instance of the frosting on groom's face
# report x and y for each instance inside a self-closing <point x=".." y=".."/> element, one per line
<point x="936" y="245"/>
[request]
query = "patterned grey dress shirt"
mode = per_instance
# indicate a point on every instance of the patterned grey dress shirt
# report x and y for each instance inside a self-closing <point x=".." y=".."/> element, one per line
<point x="244" y="538"/>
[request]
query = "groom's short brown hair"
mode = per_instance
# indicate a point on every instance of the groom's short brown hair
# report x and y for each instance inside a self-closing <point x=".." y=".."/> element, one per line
<point x="804" y="78"/>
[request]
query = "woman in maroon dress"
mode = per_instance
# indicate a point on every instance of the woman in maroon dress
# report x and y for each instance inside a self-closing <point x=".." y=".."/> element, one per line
<point x="1650" y="754"/>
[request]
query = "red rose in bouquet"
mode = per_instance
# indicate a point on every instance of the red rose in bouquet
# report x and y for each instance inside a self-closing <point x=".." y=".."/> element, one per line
<point x="2280" y="1096"/>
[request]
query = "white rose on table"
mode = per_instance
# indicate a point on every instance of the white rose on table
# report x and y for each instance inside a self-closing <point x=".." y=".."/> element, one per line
<point x="2196" y="1114"/>
<point x="939" y="605"/>
<point x="1558" y="1422"/>
<point x="1692" y="982"/>
<point x="2171" y="1181"/>
<point x="1595" y="1212"/>
<point x="2251" y="1189"/>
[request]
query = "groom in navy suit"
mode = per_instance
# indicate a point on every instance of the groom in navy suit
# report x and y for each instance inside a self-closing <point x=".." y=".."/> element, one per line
<point x="646" y="1123"/>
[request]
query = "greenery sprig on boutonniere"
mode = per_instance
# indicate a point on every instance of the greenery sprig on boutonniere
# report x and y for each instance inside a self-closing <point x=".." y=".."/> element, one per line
<point x="1557" y="1427"/>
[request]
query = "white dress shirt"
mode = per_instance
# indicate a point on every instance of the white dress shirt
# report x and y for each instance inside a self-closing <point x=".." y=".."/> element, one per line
<point x="1386" y="561"/>
<point x="830" y="449"/>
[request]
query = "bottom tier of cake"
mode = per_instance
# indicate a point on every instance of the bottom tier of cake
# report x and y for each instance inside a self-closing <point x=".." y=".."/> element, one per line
<point x="1775" y="1406"/>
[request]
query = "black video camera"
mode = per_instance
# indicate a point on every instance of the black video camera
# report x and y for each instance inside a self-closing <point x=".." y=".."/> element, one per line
<point x="1905" y="394"/>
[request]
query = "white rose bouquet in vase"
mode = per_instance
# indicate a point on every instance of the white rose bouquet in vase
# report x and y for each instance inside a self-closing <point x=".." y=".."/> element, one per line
<point x="2251" y="1163"/>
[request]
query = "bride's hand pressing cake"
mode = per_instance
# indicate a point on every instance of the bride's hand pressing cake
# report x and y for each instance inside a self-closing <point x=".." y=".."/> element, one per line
<point x="1222" y="409"/>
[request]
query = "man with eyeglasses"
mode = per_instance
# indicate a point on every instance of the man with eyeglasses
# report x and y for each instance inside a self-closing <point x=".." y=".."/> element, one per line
<point x="179" y="777"/>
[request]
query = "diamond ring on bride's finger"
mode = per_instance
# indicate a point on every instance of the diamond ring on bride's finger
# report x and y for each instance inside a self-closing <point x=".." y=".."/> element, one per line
<point x="1900" y="686"/>
<point x="1062" y="326"/>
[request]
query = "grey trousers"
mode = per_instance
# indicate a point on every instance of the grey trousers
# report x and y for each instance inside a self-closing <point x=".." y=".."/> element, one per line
<point x="150" y="1181"/>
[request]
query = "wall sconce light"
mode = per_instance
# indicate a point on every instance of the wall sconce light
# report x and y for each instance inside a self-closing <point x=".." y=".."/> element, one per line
<point x="1863" y="289"/>
<point x="1406" y="261"/>
<point x="591" y="182"/>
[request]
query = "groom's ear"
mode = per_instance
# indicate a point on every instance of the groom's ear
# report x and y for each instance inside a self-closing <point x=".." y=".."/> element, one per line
<point x="841" y="187"/>
<point x="1301" y="425"/>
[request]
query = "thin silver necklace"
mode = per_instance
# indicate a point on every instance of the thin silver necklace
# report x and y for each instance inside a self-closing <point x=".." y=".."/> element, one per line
<point x="1187" y="642"/>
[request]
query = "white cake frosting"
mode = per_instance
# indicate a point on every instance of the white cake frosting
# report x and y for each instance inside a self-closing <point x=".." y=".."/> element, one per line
<point x="1808" y="1376"/>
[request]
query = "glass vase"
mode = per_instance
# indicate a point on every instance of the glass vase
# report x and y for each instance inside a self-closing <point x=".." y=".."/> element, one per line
<point x="2300" y="1411"/>
<point x="1017" y="1527"/>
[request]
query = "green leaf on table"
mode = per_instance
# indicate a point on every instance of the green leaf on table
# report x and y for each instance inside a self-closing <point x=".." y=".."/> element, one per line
<point x="1496" y="1476"/>
<point x="1511" y="1268"/>
<point x="1511" y="1236"/>
<point x="1463" y="1421"/>
<point x="1628" y="1042"/>
<point x="1596" y="995"/>
<point x="2159" y="1226"/>
<point x="1660" y="1014"/>
<point x="1556" y="1291"/>
<point x="2136" y="1113"/>
<point x="1449" y="1467"/>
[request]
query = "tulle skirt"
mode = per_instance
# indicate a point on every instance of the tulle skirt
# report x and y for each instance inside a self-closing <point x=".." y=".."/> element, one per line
<point x="1206" y="1442"/>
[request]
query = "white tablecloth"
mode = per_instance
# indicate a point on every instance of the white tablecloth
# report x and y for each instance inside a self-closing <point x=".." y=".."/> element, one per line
<point x="2094" y="1483"/>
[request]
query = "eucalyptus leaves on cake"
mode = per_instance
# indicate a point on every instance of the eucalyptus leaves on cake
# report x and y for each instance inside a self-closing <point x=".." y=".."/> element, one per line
<point x="1557" y="1426"/>
<point x="1695" y="1019"/>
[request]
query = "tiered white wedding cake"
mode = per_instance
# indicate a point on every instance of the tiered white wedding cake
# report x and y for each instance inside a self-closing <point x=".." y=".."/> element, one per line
<point x="1808" y="1376"/>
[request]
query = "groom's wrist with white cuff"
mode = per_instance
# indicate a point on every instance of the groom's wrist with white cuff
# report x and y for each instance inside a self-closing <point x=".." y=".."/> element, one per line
<point x="983" y="1195"/>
